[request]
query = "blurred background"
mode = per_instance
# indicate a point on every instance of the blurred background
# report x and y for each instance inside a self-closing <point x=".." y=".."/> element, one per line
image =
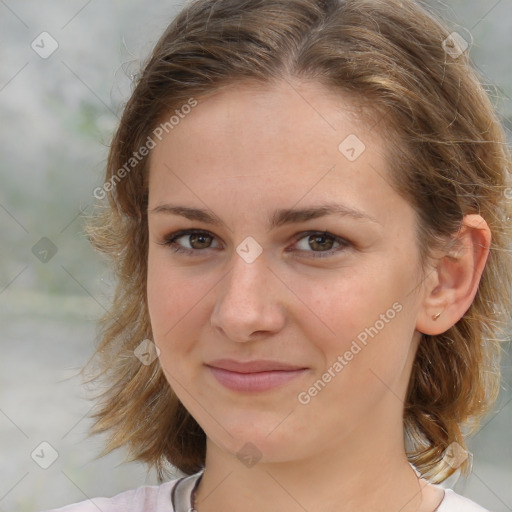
<point x="64" y="76"/>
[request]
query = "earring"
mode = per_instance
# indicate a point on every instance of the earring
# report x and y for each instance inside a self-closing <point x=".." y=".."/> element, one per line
<point x="436" y="316"/>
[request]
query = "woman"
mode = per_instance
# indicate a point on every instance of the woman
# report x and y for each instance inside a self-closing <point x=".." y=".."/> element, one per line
<point x="307" y="212"/>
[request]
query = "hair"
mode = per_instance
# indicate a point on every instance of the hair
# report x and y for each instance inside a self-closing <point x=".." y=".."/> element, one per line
<point x="453" y="160"/>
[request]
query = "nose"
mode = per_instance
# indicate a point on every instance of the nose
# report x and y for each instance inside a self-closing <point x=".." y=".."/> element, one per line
<point x="249" y="304"/>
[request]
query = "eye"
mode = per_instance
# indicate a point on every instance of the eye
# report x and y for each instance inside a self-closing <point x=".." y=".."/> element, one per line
<point x="195" y="241"/>
<point x="321" y="244"/>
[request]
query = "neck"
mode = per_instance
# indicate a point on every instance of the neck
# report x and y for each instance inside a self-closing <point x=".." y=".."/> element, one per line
<point x="366" y="470"/>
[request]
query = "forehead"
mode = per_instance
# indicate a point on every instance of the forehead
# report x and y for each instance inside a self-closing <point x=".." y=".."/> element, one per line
<point x="248" y="144"/>
<point x="250" y="124"/>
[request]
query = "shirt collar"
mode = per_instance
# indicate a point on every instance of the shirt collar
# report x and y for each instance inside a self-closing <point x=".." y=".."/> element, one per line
<point x="183" y="492"/>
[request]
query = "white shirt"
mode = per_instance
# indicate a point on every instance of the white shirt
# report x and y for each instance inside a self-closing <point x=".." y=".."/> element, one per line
<point x="176" y="496"/>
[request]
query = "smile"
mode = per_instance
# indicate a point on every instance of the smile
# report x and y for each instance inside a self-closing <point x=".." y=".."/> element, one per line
<point x="254" y="381"/>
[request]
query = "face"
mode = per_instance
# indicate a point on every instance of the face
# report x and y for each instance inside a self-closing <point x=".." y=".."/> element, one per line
<point x="274" y="237"/>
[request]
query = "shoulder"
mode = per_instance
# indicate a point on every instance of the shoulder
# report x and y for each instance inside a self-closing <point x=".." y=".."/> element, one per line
<point x="454" y="502"/>
<point x="148" y="498"/>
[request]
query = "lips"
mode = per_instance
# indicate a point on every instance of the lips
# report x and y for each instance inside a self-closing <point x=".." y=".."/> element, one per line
<point x="254" y="376"/>
<point x="253" y="366"/>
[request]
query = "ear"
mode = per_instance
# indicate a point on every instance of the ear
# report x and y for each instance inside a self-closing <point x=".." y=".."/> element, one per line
<point x="453" y="282"/>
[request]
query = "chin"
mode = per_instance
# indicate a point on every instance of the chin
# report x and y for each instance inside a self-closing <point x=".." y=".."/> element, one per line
<point x="252" y="449"/>
<point x="255" y="440"/>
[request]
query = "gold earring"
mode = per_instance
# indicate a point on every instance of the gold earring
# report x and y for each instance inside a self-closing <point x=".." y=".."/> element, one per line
<point x="436" y="316"/>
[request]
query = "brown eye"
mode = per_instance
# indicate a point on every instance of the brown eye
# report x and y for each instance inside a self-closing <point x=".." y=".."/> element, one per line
<point x="189" y="241"/>
<point x="321" y="244"/>
<point x="199" y="241"/>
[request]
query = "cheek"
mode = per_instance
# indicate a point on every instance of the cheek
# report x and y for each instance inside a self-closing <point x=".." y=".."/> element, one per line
<point x="177" y="301"/>
<point x="158" y="294"/>
<point x="362" y="314"/>
<point x="169" y="297"/>
<point x="346" y="302"/>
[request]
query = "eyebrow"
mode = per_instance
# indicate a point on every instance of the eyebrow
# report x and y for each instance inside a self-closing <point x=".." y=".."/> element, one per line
<point x="279" y="218"/>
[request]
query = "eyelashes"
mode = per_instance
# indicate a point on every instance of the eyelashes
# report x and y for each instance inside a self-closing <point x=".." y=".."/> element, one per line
<point x="199" y="241"/>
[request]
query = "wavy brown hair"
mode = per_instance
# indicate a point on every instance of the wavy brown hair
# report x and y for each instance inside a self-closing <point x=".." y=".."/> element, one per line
<point x="450" y="159"/>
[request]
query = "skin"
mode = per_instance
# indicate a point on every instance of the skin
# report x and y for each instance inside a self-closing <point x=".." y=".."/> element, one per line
<point x="243" y="153"/>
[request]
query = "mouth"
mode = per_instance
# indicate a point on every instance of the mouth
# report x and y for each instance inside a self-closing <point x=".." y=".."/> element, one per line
<point x="254" y="376"/>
